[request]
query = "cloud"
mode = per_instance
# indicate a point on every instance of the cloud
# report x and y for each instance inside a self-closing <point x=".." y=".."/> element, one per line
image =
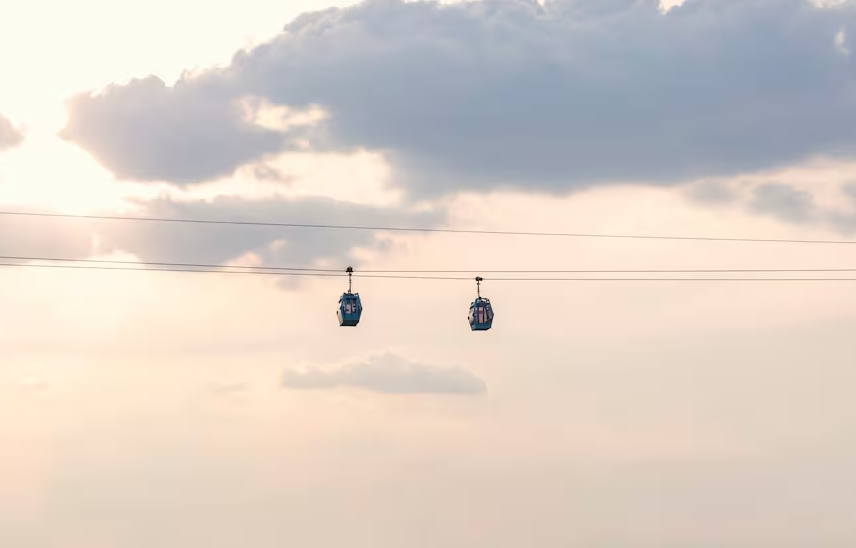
<point x="784" y="202"/>
<point x="10" y="136"/>
<point x="218" y="243"/>
<point x="711" y="192"/>
<point x="510" y="93"/>
<point x="389" y="374"/>
<point x="841" y="43"/>
<point x="212" y="243"/>
<point x="224" y="141"/>
<point x="844" y="221"/>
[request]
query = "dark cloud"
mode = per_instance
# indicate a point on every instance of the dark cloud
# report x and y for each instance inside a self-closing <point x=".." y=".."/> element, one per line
<point x="846" y="224"/>
<point x="389" y="374"/>
<point x="47" y="237"/>
<point x="10" y="136"/>
<point x="197" y="133"/>
<point x="712" y="192"/>
<point x="784" y="202"/>
<point x="269" y="173"/>
<point x="217" y="243"/>
<point x="508" y="93"/>
<point x="843" y="221"/>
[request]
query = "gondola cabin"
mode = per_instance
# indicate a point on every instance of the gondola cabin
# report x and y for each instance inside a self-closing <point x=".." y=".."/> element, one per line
<point x="481" y="315"/>
<point x="350" y="310"/>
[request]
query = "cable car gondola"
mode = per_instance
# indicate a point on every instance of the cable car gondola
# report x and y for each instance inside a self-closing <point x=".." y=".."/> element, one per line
<point x="350" y="306"/>
<point x="481" y="312"/>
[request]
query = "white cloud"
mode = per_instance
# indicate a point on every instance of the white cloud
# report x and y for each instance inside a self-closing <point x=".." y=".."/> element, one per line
<point x="666" y="5"/>
<point x="841" y="43"/>
<point x="390" y="374"/>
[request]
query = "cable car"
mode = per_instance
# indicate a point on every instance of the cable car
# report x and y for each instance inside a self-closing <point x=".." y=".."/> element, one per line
<point x="481" y="311"/>
<point x="350" y="306"/>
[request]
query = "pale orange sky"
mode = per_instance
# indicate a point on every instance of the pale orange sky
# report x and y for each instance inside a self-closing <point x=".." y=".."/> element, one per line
<point x="146" y="409"/>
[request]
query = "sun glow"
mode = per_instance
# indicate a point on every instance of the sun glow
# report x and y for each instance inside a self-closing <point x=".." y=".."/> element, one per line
<point x="48" y="173"/>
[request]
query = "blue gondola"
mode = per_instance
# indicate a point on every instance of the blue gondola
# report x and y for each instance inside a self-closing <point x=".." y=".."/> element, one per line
<point x="481" y="312"/>
<point x="350" y="306"/>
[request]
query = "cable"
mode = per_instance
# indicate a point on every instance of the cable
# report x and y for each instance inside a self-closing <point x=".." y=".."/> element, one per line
<point x="156" y="269"/>
<point x="361" y="272"/>
<point x="422" y="229"/>
<point x="328" y="275"/>
<point x="187" y="265"/>
<point x="654" y="271"/>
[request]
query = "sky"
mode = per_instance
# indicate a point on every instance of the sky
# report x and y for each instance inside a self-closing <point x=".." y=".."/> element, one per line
<point x="187" y="410"/>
